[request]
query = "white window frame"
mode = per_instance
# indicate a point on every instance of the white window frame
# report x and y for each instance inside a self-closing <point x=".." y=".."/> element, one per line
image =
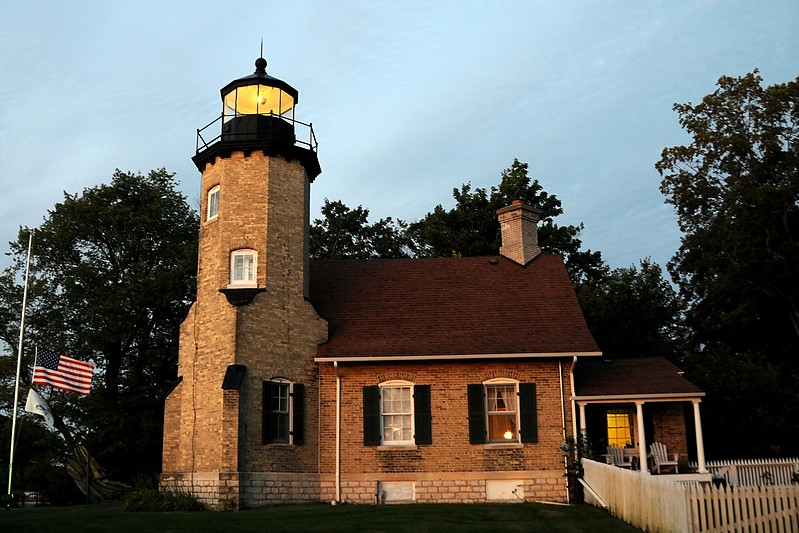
<point x="402" y="414"/>
<point x="244" y="282"/>
<point x="212" y="213"/>
<point x="289" y="412"/>
<point x="515" y="437"/>
<point x="630" y="426"/>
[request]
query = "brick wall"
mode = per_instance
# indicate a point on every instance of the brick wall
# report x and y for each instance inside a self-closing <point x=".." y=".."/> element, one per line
<point x="450" y="457"/>
<point x="263" y="206"/>
<point x="668" y="422"/>
<point x="213" y="438"/>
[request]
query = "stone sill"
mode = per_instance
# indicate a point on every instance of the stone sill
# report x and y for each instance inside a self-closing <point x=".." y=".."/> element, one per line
<point x="503" y="446"/>
<point x="397" y="447"/>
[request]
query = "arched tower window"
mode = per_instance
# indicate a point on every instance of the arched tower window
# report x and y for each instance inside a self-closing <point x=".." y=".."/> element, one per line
<point x="243" y="268"/>
<point x="213" y="203"/>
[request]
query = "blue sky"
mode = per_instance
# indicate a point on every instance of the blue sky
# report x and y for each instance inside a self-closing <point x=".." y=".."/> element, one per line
<point x="408" y="99"/>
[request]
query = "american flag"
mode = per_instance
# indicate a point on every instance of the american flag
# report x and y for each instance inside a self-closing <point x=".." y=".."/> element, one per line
<point x="62" y="372"/>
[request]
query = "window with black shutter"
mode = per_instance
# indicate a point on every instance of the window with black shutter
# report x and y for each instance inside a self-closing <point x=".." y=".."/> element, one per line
<point x="502" y="411"/>
<point x="397" y="413"/>
<point x="477" y="413"/>
<point x="422" y="416"/>
<point x="283" y="412"/>
<point x="371" y="415"/>
<point x="298" y="414"/>
<point x="528" y="414"/>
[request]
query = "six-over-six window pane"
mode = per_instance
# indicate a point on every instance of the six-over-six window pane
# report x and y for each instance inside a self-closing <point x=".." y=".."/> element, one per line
<point x="502" y="411"/>
<point x="243" y="264"/>
<point x="280" y="412"/>
<point x="397" y="414"/>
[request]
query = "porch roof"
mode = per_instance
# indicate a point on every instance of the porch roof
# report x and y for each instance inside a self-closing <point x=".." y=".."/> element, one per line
<point x="642" y="378"/>
<point x="464" y="307"/>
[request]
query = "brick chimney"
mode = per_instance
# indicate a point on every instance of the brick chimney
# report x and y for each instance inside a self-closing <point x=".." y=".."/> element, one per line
<point x="518" y="223"/>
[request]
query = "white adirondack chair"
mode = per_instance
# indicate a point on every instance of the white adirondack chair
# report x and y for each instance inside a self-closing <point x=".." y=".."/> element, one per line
<point x="617" y="457"/>
<point x="660" y="458"/>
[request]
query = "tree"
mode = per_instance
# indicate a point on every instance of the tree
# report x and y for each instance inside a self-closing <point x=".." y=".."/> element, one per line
<point x="471" y="227"/>
<point x="736" y="192"/>
<point x="634" y="313"/>
<point x="346" y="233"/>
<point x="112" y="276"/>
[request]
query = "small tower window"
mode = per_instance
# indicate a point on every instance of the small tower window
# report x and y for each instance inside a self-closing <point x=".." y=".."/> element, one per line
<point x="243" y="264"/>
<point x="213" y="203"/>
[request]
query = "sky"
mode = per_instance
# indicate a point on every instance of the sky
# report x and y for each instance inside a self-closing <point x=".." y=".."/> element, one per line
<point x="408" y="99"/>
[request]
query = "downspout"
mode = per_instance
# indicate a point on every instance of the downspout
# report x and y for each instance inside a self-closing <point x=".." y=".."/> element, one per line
<point x="338" y="432"/>
<point x="577" y="440"/>
<point x="563" y="426"/>
<point x="574" y="406"/>
<point x="562" y="400"/>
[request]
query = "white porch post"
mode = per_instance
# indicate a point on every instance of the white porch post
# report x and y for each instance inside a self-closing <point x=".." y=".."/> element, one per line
<point x="700" y="444"/>
<point x="582" y="420"/>
<point x="639" y="407"/>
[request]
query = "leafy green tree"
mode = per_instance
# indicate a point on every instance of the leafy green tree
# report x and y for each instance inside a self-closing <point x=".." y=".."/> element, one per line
<point x="635" y="312"/>
<point x="735" y="188"/>
<point x="471" y="227"/>
<point x="112" y="276"/>
<point x="346" y="233"/>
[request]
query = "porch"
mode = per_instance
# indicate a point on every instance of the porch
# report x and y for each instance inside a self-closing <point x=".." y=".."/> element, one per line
<point x="632" y="404"/>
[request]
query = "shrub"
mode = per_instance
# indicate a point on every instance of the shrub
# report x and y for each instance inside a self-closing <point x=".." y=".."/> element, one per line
<point x="146" y="497"/>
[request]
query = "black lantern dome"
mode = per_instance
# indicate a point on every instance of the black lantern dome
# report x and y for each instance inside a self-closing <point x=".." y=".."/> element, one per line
<point x="258" y="94"/>
<point x="258" y="114"/>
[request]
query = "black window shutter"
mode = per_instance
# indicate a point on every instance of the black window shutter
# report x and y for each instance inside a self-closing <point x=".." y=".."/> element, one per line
<point x="298" y="414"/>
<point x="371" y="415"/>
<point x="266" y="422"/>
<point x="477" y="413"/>
<point x="528" y="415"/>
<point x="422" y="416"/>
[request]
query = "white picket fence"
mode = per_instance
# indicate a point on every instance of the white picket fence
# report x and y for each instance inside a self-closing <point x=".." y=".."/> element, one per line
<point x="651" y="503"/>
<point x="669" y="504"/>
<point x="747" y="509"/>
<point x="754" y="472"/>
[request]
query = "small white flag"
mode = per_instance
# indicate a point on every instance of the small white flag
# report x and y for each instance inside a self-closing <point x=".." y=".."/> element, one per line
<point x="38" y="406"/>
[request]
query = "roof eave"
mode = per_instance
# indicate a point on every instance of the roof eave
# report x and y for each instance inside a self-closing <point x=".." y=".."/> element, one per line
<point x="651" y="397"/>
<point x="432" y="357"/>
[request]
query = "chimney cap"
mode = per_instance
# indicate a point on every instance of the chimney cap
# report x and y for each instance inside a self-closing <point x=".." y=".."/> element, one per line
<point x="518" y="204"/>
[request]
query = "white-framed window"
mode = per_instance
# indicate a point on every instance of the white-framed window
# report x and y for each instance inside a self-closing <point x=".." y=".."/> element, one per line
<point x="620" y="427"/>
<point x="243" y="267"/>
<point x="502" y="412"/>
<point x="284" y="405"/>
<point x="213" y="203"/>
<point x="396" y="412"/>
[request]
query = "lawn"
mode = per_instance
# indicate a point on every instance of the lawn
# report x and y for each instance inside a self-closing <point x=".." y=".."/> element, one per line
<point x="417" y="518"/>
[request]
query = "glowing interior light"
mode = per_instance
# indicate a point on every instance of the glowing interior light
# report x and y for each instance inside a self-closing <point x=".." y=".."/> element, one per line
<point x="261" y="99"/>
<point x="508" y="434"/>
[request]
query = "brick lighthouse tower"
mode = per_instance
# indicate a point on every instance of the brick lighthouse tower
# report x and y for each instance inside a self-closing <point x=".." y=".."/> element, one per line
<point x="237" y="423"/>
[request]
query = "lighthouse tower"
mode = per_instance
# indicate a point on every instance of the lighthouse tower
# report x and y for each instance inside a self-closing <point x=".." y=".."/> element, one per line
<point x="244" y="412"/>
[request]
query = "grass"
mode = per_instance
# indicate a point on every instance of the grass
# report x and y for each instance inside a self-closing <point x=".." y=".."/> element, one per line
<point x="416" y="518"/>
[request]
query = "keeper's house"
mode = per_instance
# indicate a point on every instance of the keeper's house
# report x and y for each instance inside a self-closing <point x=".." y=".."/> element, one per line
<point x="428" y="380"/>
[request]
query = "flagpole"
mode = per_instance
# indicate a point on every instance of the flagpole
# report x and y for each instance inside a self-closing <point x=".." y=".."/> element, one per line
<point x="19" y="360"/>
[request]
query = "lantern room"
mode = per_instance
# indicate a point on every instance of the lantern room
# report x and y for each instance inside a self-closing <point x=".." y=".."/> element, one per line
<point x="258" y="114"/>
<point x="258" y="94"/>
<point x="258" y="107"/>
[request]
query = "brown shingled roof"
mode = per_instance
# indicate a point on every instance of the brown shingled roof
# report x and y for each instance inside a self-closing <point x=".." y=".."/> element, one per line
<point x="449" y="306"/>
<point x="649" y="376"/>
